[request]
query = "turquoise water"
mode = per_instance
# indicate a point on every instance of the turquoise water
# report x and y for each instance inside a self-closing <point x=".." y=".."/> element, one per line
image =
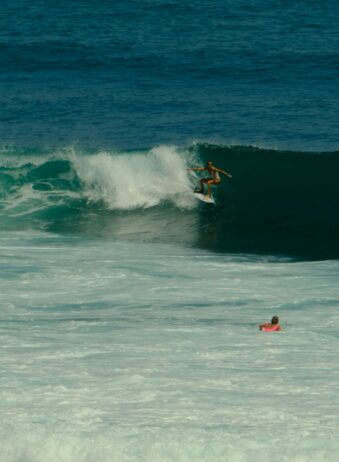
<point x="137" y="351"/>
<point x="129" y="311"/>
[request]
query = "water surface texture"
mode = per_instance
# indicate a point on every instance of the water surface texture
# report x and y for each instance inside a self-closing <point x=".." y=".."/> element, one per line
<point x="129" y="310"/>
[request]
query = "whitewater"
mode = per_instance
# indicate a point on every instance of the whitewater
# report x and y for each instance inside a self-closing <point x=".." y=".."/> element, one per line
<point x="128" y="332"/>
<point x="133" y="351"/>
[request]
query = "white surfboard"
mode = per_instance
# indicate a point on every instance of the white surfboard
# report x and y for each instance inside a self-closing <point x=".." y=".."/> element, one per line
<point x="202" y="197"/>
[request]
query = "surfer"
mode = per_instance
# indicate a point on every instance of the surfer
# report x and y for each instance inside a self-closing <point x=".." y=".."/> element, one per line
<point x="272" y="326"/>
<point x="214" y="178"/>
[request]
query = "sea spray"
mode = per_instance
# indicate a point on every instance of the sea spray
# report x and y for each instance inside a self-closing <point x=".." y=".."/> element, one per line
<point x="136" y="180"/>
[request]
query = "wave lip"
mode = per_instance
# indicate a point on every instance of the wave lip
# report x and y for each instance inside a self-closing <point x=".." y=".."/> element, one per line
<point x="134" y="180"/>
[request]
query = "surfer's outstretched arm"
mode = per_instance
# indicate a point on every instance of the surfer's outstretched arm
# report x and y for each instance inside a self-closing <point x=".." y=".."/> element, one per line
<point x="223" y="171"/>
<point x="197" y="168"/>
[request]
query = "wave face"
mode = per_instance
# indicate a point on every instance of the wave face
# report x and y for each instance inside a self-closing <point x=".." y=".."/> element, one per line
<point x="276" y="202"/>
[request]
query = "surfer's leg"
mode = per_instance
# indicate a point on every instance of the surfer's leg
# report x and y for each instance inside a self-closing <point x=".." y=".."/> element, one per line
<point x="210" y="183"/>
<point x="202" y="181"/>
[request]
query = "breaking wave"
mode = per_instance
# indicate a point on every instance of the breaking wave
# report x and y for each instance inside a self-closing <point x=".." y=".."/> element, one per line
<point x="277" y="201"/>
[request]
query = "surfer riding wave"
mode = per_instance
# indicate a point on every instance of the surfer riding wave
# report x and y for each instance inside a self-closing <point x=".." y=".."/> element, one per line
<point x="213" y="180"/>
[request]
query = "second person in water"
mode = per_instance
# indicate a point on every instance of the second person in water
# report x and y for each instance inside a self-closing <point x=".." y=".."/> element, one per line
<point x="214" y="178"/>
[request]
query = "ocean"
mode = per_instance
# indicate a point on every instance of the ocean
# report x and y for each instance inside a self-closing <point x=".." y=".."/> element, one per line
<point x="129" y="310"/>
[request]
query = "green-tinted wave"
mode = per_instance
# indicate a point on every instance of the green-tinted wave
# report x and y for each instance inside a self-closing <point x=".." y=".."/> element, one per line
<point x="276" y="202"/>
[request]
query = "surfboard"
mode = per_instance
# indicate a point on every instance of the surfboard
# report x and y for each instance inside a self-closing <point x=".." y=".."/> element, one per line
<point x="203" y="198"/>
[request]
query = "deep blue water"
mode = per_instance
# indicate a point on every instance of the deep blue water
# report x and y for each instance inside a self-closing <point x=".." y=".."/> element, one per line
<point x="137" y="73"/>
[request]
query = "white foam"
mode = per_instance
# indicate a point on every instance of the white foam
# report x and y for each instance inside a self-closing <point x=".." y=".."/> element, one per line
<point x="135" y="180"/>
<point x="159" y="445"/>
<point x="116" y="351"/>
<point x="27" y="200"/>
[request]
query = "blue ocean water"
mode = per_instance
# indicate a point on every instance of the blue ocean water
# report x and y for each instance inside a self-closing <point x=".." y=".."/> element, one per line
<point x="145" y="72"/>
<point x="129" y="310"/>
